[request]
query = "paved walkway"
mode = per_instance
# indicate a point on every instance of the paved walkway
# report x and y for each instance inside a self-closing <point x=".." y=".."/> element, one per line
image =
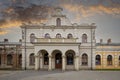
<point x="59" y="75"/>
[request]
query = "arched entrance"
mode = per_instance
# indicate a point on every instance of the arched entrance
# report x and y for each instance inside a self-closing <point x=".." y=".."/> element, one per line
<point x="43" y="59"/>
<point x="57" y="59"/>
<point x="70" y="59"/>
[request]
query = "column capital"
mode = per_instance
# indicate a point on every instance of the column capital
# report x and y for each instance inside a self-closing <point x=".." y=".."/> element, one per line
<point x="63" y="56"/>
<point x="49" y="56"/>
<point x="36" y="56"/>
<point x="77" y="56"/>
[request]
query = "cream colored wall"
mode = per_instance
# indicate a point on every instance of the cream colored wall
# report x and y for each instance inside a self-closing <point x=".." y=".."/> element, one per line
<point x="104" y="54"/>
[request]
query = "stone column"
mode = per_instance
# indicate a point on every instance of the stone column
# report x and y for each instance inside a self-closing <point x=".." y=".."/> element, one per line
<point x="63" y="63"/>
<point x="41" y="62"/>
<point x="76" y="63"/>
<point x="36" y="63"/>
<point x="50" y="63"/>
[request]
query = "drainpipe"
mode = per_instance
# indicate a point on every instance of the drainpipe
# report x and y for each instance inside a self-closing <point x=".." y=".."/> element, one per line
<point x="91" y="49"/>
<point x="25" y="47"/>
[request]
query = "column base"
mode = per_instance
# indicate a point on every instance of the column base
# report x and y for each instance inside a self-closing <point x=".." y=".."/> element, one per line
<point x="63" y="69"/>
<point x="49" y="69"/>
<point x="77" y="69"/>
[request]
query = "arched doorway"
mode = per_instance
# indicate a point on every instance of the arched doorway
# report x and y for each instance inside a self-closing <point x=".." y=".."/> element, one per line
<point x="43" y="59"/>
<point x="58" y="61"/>
<point x="70" y="54"/>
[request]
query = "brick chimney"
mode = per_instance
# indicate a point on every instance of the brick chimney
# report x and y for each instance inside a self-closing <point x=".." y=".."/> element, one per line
<point x="109" y="41"/>
<point x="20" y="40"/>
<point x="101" y="41"/>
<point x="5" y="40"/>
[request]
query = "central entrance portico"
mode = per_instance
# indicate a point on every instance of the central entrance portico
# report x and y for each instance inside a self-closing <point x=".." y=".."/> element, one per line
<point x="62" y="56"/>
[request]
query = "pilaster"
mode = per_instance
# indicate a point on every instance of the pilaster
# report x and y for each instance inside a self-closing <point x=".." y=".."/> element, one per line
<point x="41" y="62"/>
<point x="63" y="63"/>
<point x="50" y="63"/>
<point x="76" y="63"/>
<point x="36" y="62"/>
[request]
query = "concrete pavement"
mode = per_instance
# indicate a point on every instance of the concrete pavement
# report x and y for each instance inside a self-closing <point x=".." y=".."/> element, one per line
<point x="60" y="75"/>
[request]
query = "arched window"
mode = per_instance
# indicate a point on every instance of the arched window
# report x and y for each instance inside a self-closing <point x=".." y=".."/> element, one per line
<point x="84" y="59"/>
<point x="98" y="60"/>
<point x="84" y="38"/>
<point x="70" y="59"/>
<point x="9" y="59"/>
<point x="69" y="36"/>
<point x="119" y="60"/>
<point x="47" y="35"/>
<point x="20" y="59"/>
<point x="109" y="60"/>
<point x="46" y="59"/>
<point x="32" y="37"/>
<point x="58" y="22"/>
<point x="58" y="35"/>
<point x="32" y="59"/>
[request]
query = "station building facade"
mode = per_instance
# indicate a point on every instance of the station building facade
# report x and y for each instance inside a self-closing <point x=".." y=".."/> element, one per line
<point x="107" y="55"/>
<point x="58" y="44"/>
<point x="10" y="55"/>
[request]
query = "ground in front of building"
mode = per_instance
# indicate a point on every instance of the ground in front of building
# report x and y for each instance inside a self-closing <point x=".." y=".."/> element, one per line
<point x="59" y="75"/>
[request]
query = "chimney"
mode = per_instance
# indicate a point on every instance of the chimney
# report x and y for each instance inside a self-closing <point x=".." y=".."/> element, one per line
<point x="20" y="40"/>
<point x="5" y="40"/>
<point x="101" y="41"/>
<point x="109" y="41"/>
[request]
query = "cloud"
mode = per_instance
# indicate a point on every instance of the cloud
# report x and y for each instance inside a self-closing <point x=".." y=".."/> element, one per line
<point x="14" y="16"/>
<point x="82" y="11"/>
<point x="9" y="24"/>
<point x="2" y="32"/>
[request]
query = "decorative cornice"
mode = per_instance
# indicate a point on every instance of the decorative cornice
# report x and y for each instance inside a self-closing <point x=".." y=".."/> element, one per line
<point x="33" y="26"/>
<point x="55" y="44"/>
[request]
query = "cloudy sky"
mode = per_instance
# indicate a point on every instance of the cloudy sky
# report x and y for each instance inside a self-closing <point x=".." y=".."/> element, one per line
<point x="105" y="13"/>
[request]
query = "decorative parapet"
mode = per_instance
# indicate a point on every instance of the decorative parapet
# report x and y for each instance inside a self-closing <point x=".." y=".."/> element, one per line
<point x="56" y="40"/>
<point x="108" y="49"/>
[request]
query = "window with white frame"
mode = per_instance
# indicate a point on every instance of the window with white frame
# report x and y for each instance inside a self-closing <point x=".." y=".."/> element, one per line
<point x="58" y="35"/>
<point x="32" y="37"/>
<point x="69" y="36"/>
<point x="32" y="59"/>
<point x="119" y="60"/>
<point x="84" y="38"/>
<point x="47" y="35"/>
<point x="58" y="22"/>
<point x="70" y="59"/>
<point x="109" y="60"/>
<point x="84" y="59"/>
<point x="98" y="60"/>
